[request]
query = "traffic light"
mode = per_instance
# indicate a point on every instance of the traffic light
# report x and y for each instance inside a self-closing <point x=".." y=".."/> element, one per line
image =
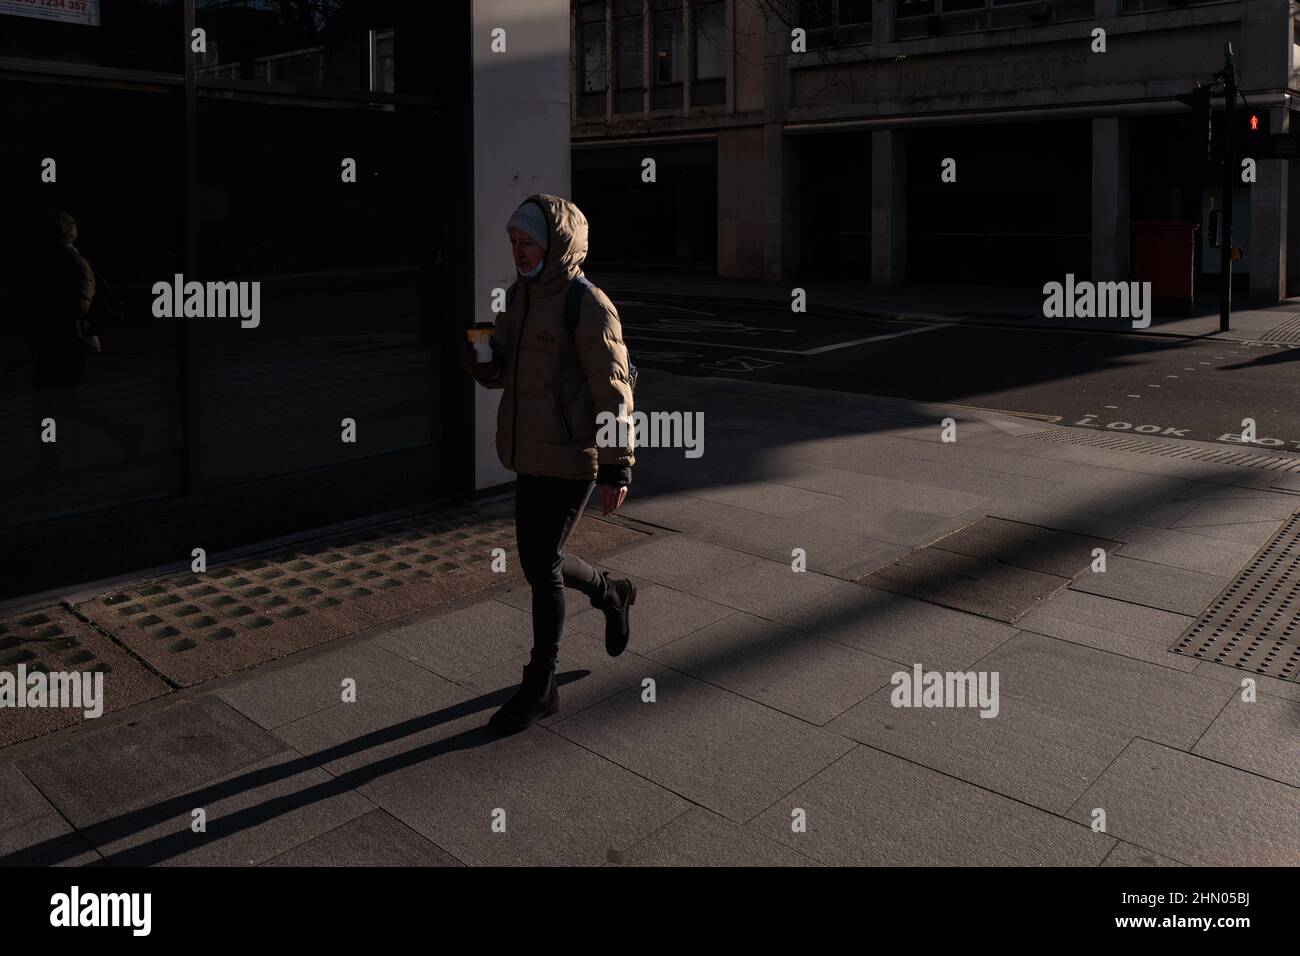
<point x="1199" y="101"/>
<point x="1253" y="135"/>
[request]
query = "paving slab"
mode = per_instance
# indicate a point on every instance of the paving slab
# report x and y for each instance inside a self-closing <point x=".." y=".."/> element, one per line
<point x="1132" y="630"/>
<point x="700" y="837"/>
<point x="372" y="839"/>
<point x="785" y="669"/>
<point x="1233" y="676"/>
<point x="586" y="675"/>
<point x="1231" y="511"/>
<point x="53" y="640"/>
<point x="1114" y="694"/>
<point x="1193" y="810"/>
<point x="1100" y="523"/>
<point x="1258" y="501"/>
<point x="873" y="809"/>
<point x="559" y="803"/>
<point x="832" y="551"/>
<point x="271" y="696"/>
<point x="32" y="832"/>
<point x="1250" y="533"/>
<point x="1262" y="736"/>
<point x="908" y="496"/>
<point x="1183" y="550"/>
<point x="885" y="522"/>
<point x="460" y="642"/>
<point x="370" y="737"/>
<point x="133" y="766"/>
<point x="1157" y="586"/>
<point x="714" y="748"/>
<point x="764" y="497"/>
<point x="1042" y="757"/>
<point x="1126" y="854"/>
<point x="1027" y="546"/>
<point x="679" y="562"/>
<point x="997" y="591"/>
<point x="899" y="628"/>
<point x="250" y="817"/>
<point x="765" y="588"/>
<point x="660" y="615"/>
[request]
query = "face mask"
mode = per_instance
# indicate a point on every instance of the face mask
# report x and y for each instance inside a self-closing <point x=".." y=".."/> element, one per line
<point x="537" y="269"/>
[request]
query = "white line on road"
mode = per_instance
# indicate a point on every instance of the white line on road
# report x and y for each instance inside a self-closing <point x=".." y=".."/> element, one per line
<point x="817" y="351"/>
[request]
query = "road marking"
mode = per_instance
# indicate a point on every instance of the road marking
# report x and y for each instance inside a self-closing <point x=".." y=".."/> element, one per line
<point x="675" y="308"/>
<point x="817" y="351"/>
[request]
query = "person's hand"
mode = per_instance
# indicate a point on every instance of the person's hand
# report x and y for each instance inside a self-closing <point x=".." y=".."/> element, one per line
<point x="482" y="371"/>
<point x="92" y="343"/>
<point x="611" y="498"/>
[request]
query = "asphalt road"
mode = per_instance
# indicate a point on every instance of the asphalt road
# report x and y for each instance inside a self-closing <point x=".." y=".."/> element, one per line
<point x="1157" y="385"/>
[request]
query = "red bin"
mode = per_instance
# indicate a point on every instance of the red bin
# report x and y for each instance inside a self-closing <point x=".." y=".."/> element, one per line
<point x="1164" y="254"/>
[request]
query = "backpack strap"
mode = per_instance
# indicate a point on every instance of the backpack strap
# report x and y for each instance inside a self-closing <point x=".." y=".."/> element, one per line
<point x="573" y="297"/>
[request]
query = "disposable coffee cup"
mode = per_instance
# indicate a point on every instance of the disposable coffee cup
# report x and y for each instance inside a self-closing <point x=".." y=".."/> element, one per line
<point x="481" y="338"/>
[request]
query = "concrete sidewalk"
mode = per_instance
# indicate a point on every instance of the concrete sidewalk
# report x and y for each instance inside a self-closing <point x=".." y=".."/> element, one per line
<point x="973" y="305"/>
<point x="768" y="736"/>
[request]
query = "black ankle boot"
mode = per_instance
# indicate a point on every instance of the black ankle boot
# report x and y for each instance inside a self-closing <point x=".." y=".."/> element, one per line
<point x="536" y="697"/>
<point x="620" y="595"/>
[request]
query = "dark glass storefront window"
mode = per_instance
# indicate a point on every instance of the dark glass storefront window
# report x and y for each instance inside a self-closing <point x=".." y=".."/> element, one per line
<point x="79" y="343"/>
<point x="127" y="34"/>
<point x="593" y="61"/>
<point x="348" y="315"/>
<point x="346" y="45"/>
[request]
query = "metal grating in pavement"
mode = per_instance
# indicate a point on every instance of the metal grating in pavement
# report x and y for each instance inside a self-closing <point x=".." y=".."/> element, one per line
<point x="1221" y="456"/>
<point x="1253" y="624"/>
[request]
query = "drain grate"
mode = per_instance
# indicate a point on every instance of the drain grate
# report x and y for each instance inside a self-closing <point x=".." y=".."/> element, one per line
<point x="1253" y="624"/>
<point x="1222" y="456"/>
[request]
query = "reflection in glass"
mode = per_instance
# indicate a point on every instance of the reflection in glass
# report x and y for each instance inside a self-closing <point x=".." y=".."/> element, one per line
<point x="79" y="345"/>
<point x="345" y="268"/>
<point x="354" y="45"/>
<point x="130" y="34"/>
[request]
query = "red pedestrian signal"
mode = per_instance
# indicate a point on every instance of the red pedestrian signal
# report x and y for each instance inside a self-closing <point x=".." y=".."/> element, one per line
<point x="1254" y="123"/>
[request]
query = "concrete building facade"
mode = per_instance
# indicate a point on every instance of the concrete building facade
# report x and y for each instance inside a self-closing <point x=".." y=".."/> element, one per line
<point x="1059" y="118"/>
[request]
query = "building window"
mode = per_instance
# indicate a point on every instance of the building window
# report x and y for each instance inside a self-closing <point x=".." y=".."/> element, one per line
<point x="124" y="34"/>
<point x="668" y="69"/>
<point x="629" y="45"/>
<point x="593" y="59"/>
<point x="813" y="14"/>
<point x="854" y="12"/>
<point x="709" y="76"/>
<point x="929" y="18"/>
<point x="366" y="45"/>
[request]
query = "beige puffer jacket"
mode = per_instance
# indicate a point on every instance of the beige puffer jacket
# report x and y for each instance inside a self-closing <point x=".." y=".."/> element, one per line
<point x="557" y="381"/>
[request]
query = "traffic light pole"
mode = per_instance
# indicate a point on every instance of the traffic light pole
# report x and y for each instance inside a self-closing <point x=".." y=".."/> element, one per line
<point x="1229" y="178"/>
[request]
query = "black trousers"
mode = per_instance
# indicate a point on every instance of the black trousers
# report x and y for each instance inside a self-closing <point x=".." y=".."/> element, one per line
<point x="546" y="512"/>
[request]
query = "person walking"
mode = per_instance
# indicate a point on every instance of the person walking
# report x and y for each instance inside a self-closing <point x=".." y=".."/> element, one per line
<point x="558" y="367"/>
